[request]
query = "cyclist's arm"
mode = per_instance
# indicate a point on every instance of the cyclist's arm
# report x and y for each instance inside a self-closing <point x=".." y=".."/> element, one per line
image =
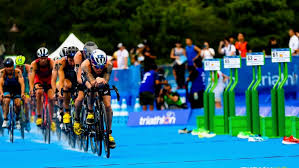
<point x="79" y="79"/>
<point x="32" y="73"/>
<point x="61" y="75"/>
<point x="87" y="70"/>
<point x="1" y="81"/>
<point x="54" y="75"/>
<point x="21" y="81"/>
<point x="108" y="73"/>
<point x="27" y="68"/>
<point x="77" y="61"/>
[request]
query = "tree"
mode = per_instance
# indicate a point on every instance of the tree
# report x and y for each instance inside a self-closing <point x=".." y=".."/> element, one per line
<point x="260" y="19"/>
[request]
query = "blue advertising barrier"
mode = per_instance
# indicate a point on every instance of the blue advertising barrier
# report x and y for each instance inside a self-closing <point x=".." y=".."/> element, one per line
<point x="162" y="117"/>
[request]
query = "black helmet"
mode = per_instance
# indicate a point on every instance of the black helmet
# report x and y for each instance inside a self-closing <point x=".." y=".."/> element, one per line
<point x="8" y="62"/>
<point x="71" y="51"/>
<point x="63" y="52"/>
<point x="88" y="48"/>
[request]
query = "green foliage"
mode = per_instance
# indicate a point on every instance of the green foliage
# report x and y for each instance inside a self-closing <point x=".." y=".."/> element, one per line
<point x="160" y="22"/>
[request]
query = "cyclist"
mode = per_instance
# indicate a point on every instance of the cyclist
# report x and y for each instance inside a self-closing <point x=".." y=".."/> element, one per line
<point x="11" y="84"/>
<point x="54" y="79"/>
<point x="96" y="71"/>
<point x="67" y="80"/>
<point x="40" y="79"/>
<point x="20" y="64"/>
<point x="78" y="59"/>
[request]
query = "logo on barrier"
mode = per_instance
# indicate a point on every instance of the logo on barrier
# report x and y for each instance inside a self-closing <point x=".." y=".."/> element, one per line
<point x="164" y="117"/>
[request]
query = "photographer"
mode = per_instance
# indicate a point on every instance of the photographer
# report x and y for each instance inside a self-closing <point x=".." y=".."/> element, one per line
<point x="171" y="100"/>
<point x="160" y="81"/>
<point x="196" y="77"/>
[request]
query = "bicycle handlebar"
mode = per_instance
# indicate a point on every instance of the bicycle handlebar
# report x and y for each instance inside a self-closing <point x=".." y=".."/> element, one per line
<point x="102" y="88"/>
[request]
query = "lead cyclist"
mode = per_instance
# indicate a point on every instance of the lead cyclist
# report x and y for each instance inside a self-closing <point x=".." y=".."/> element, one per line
<point x="96" y="71"/>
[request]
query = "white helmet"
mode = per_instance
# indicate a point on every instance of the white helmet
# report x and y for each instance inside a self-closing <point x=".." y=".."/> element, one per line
<point x="42" y="52"/>
<point x="63" y="52"/>
<point x="98" y="58"/>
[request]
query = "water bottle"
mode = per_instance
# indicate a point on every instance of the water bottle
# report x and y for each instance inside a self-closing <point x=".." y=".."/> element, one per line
<point x="137" y="107"/>
<point x="124" y="108"/>
<point x="117" y="109"/>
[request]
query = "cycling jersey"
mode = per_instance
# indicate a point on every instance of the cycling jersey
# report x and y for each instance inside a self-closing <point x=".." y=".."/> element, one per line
<point x="69" y="72"/>
<point x="43" y="74"/>
<point x="12" y="86"/>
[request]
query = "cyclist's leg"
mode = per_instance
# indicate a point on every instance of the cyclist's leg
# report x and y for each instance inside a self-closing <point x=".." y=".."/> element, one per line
<point x="17" y="109"/>
<point x="66" y="100"/>
<point x="50" y="93"/>
<point x="78" y="104"/>
<point x="39" y="95"/>
<point x="26" y="106"/>
<point x="90" y="102"/>
<point x="51" y="100"/>
<point x="5" y="107"/>
<point x="109" y="113"/>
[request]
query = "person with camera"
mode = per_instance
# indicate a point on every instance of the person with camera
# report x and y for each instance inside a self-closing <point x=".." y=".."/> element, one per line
<point x="207" y="52"/>
<point x="171" y="100"/>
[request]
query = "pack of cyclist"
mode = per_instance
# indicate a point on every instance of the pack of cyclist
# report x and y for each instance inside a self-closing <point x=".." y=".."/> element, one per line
<point x="72" y="71"/>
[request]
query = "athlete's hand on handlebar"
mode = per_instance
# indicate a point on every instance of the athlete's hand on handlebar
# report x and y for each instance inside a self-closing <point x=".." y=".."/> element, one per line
<point x="100" y="81"/>
<point x="23" y="96"/>
<point x="31" y="93"/>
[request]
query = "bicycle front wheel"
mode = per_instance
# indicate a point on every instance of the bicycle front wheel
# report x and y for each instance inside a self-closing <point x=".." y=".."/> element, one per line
<point x="11" y="124"/>
<point x="106" y="131"/>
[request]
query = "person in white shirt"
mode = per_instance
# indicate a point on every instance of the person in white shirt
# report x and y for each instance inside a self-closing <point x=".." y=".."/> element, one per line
<point x="226" y="48"/>
<point x="206" y="52"/>
<point x="294" y="42"/>
<point x="122" y="57"/>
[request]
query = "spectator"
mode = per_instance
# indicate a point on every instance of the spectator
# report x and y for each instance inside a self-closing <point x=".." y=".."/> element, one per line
<point x="149" y="58"/>
<point x="171" y="100"/>
<point x="294" y="42"/>
<point x="207" y="52"/>
<point x="196" y="76"/>
<point x="122" y="56"/>
<point x="160" y="81"/>
<point x="226" y="48"/>
<point x="272" y="44"/>
<point x="136" y="55"/>
<point x="222" y="78"/>
<point x="241" y="45"/>
<point x="178" y="53"/>
<point x="192" y="52"/>
<point x="231" y="39"/>
<point x="147" y="89"/>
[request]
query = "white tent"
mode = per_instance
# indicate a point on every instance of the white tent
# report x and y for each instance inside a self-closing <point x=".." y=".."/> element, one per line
<point x="71" y="40"/>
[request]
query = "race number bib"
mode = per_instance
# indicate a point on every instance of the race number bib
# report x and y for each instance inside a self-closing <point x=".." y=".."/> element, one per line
<point x="232" y="62"/>
<point x="255" y="58"/>
<point x="212" y="65"/>
<point x="281" y="55"/>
